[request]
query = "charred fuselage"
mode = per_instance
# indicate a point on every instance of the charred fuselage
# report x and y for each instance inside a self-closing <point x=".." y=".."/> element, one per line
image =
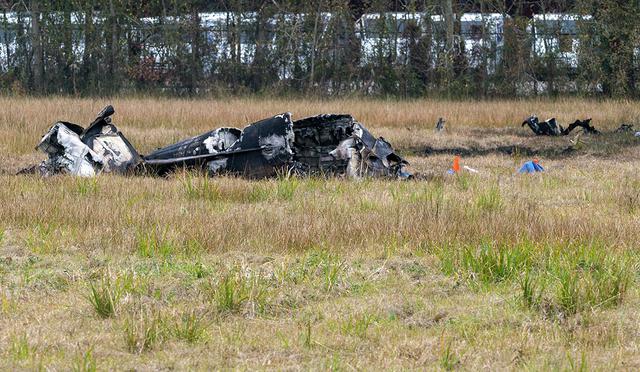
<point x="334" y="145"/>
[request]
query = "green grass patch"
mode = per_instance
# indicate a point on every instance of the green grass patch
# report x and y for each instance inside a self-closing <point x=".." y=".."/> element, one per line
<point x="86" y="186"/>
<point x="489" y="200"/>
<point x="19" y="347"/>
<point x="317" y="268"/>
<point x="143" y="330"/>
<point x="42" y="239"/>
<point x="190" y="327"/>
<point x="357" y="325"/>
<point x="86" y="362"/>
<point x="198" y="187"/>
<point x="487" y="263"/>
<point x="154" y="243"/>
<point x="286" y="188"/>
<point x="104" y="296"/>
<point x="237" y="292"/>
<point x="556" y="280"/>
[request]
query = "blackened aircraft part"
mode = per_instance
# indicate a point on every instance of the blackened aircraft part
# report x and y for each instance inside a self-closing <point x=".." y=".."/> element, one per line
<point x="324" y="144"/>
<point x="339" y="145"/>
<point x="213" y="142"/>
<point x="376" y="156"/>
<point x="86" y="152"/>
<point x="259" y="150"/>
<point x="66" y="153"/>
<point x="545" y="128"/>
<point x="625" y="128"/>
<point x="552" y="128"/>
<point x="584" y="124"/>
<point x="107" y="141"/>
<point x="316" y="137"/>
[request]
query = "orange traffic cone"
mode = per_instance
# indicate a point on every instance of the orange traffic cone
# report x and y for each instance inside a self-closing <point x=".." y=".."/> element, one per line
<point x="456" y="164"/>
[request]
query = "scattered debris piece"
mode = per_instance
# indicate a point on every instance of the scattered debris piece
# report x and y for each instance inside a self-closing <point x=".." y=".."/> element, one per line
<point x="334" y="145"/>
<point x="586" y="126"/>
<point x="440" y="125"/>
<point x="472" y="170"/>
<point x="624" y="128"/>
<point x="545" y="128"/>
<point x="532" y="166"/>
<point x="576" y="142"/>
<point x="552" y="128"/>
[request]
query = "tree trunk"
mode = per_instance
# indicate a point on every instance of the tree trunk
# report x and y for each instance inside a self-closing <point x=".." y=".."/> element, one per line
<point x="38" y="54"/>
<point x="5" y="39"/>
<point x="314" y="46"/>
<point x="449" y="24"/>
<point x="112" y="48"/>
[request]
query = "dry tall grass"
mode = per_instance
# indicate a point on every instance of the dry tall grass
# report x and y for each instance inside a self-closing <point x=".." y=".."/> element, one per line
<point x="491" y="270"/>
<point x="154" y="122"/>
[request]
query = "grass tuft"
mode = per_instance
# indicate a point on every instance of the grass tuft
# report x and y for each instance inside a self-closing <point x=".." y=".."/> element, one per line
<point x="143" y="330"/>
<point x="19" y="347"/>
<point x="86" y="186"/>
<point x="286" y="188"/>
<point x="488" y="263"/>
<point x="104" y="297"/>
<point x="41" y="239"/>
<point x="154" y="243"/>
<point x="190" y="328"/>
<point x="448" y="358"/>
<point x="200" y="187"/>
<point x="358" y="325"/>
<point x="307" y="334"/>
<point x="490" y="200"/>
<point x="237" y="291"/>
<point x="531" y="291"/>
<point x="86" y="362"/>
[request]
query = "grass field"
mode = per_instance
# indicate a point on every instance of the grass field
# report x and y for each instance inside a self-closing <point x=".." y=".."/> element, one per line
<point x="489" y="271"/>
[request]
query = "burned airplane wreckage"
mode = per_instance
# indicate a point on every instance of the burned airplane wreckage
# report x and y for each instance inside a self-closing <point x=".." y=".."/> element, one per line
<point x="84" y="152"/>
<point x="552" y="128"/>
<point x="334" y="145"/>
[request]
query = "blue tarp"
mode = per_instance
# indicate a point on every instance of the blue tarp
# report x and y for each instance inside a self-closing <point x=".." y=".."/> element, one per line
<point x="531" y="167"/>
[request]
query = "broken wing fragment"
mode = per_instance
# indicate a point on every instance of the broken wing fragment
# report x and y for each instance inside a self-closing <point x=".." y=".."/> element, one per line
<point x="259" y="150"/>
<point x="584" y="124"/>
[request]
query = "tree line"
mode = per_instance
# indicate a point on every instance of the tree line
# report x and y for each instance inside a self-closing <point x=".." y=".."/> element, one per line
<point x="410" y="48"/>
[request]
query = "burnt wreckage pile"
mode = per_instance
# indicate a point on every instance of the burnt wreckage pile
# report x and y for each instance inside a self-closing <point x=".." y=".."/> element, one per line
<point x="552" y="128"/>
<point x="333" y="145"/>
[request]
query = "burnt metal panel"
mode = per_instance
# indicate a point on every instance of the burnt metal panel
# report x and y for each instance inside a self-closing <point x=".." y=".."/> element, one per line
<point x="262" y="149"/>
<point x="316" y="137"/>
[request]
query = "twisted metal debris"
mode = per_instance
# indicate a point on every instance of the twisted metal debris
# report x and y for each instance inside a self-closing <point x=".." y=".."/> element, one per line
<point x="551" y="127"/>
<point x="333" y="145"/>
